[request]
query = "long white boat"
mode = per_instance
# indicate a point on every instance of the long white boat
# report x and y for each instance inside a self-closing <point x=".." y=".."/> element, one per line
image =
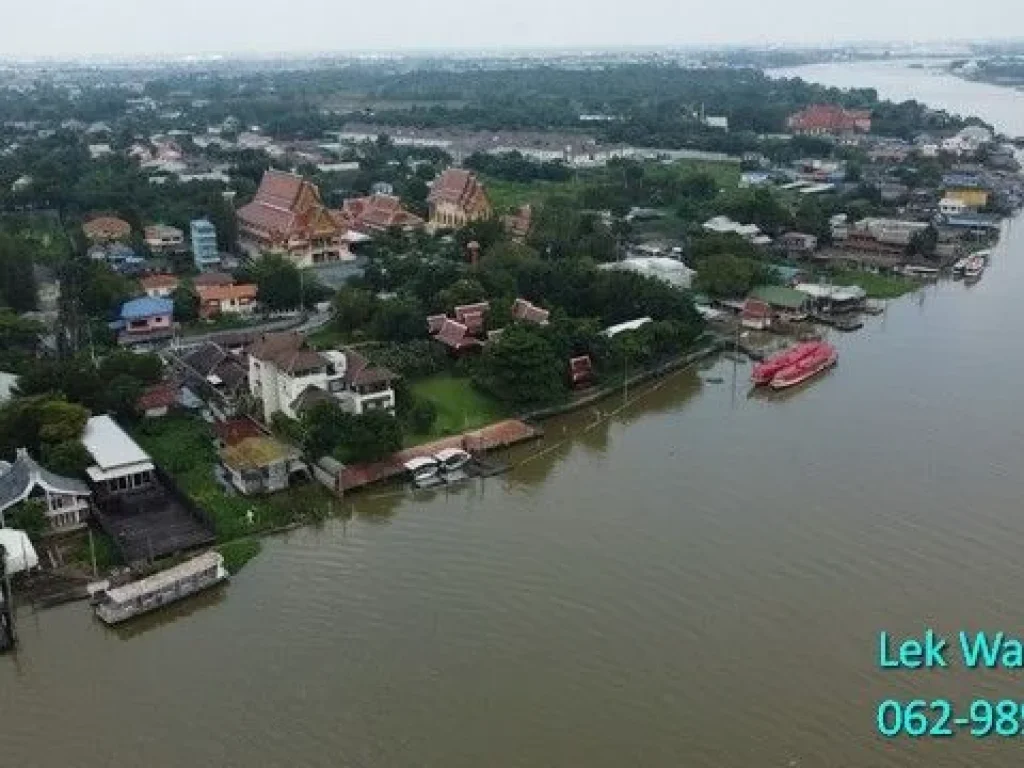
<point x="118" y="604"/>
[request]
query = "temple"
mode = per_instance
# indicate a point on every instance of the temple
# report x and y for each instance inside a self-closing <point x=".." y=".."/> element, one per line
<point x="288" y="217"/>
<point x="457" y="198"/>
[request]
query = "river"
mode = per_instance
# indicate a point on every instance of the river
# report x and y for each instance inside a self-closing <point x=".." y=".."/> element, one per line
<point x="695" y="580"/>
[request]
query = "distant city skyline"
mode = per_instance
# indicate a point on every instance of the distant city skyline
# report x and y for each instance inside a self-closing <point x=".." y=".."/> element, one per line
<point x="133" y="28"/>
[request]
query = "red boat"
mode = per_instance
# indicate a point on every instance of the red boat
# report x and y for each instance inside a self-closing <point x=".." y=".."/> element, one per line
<point x="823" y="358"/>
<point x="765" y="371"/>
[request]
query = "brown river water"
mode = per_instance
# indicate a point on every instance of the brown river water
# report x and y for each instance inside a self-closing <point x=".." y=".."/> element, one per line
<point x="697" y="579"/>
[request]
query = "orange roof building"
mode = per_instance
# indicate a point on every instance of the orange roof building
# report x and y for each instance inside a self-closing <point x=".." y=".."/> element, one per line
<point x="822" y="119"/>
<point x="159" y="286"/>
<point x="107" y="229"/>
<point x="288" y="217"/>
<point x="216" y="300"/>
<point x="457" y="198"/>
<point x="378" y="213"/>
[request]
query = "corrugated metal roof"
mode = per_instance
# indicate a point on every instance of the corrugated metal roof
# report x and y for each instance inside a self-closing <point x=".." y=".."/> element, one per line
<point x="146" y="306"/>
<point x="109" y="445"/>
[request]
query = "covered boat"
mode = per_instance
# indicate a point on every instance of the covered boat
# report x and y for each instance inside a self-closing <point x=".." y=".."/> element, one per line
<point x="821" y="359"/>
<point x="765" y="371"/>
<point x="452" y="459"/>
<point x="117" y="604"/>
<point x="423" y="470"/>
<point x="975" y="266"/>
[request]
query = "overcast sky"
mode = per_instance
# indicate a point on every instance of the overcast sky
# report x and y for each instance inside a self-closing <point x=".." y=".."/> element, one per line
<point x="133" y="27"/>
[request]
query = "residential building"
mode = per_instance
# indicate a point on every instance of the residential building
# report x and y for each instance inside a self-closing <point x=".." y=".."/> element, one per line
<point x="892" y="232"/>
<point x="213" y="278"/>
<point x="973" y="197"/>
<point x="668" y="270"/>
<point x="107" y="229"/>
<point x="527" y="312"/>
<point x="797" y="243"/>
<point x="951" y="206"/>
<point x="377" y="213"/>
<point x="159" y="286"/>
<point x="214" y="374"/>
<point x="287" y="375"/>
<point x="781" y="298"/>
<point x="145" y="319"/>
<point x="157" y="399"/>
<point x="453" y="335"/>
<point x="120" y="464"/>
<point x="160" y="238"/>
<point x="821" y="119"/>
<point x="456" y="198"/>
<point x="204" y="244"/>
<point x="66" y="498"/>
<point x="216" y="300"/>
<point x="288" y="217"/>
<point x="255" y="462"/>
<point x="756" y="315"/>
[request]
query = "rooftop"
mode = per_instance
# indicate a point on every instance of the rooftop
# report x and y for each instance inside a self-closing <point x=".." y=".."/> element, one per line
<point x="255" y="452"/>
<point x="146" y="306"/>
<point x="109" y="445"/>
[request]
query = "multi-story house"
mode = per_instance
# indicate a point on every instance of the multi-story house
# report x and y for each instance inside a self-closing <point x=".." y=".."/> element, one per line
<point x="160" y="238"/>
<point x="288" y="217"/>
<point x="66" y="499"/>
<point x="204" y="244"/>
<point x="287" y="375"/>
<point x="457" y="198"/>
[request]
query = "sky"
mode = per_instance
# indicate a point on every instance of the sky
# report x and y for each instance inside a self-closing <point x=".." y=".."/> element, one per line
<point x="48" y="28"/>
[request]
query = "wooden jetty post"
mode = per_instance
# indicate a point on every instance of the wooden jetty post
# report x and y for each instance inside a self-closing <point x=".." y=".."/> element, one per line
<point x="7" y="634"/>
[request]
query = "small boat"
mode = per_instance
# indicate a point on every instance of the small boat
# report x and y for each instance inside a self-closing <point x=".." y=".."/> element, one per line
<point x="975" y="266"/>
<point x="423" y="470"/>
<point x="823" y="358"/>
<point x="117" y="604"/>
<point x="452" y="459"/>
<point x="764" y="372"/>
<point x="847" y="323"/>
<point x="959" y="266"/>
<point x="873" y="308"/>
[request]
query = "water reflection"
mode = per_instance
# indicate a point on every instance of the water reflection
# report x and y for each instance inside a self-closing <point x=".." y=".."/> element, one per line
<point x="167" y="615"/>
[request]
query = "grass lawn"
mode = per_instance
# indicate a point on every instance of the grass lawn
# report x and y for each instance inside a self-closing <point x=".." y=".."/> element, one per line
<point x="327" y="337"/>
<point x="182" y="446"/>
<point x="877" y="286"/>
<point x="509" y="195"/>
<point x="460" y="406"/>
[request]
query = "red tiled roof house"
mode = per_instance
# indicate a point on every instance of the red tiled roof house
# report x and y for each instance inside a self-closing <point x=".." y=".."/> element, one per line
<point x="821" y="119"/>
<point x="378" y="213"/>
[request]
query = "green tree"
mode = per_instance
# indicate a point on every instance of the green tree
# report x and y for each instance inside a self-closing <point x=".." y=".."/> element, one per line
<point x="399" y="320"/>
<point x="522" y="368"/>
<point x="186" y="302"/>
<point x="370" y="436"/>
<point x="353" y="308"/>
<point x="66" y="458"/>
<point x="728" y="276"/>
<point x="17" y="278"/>
<point x="324" y="425"/>
<point x="28" y="516"/>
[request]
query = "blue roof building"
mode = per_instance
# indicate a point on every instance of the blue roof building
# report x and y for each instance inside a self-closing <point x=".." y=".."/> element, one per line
<point x="147" y="306"/>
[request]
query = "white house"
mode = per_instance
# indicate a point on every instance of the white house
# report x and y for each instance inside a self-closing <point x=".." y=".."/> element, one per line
<point x="951" y="206"/>
<point x="66" y="498"/>
<point x="121" y="464"/>
<point x="287" y="375"/>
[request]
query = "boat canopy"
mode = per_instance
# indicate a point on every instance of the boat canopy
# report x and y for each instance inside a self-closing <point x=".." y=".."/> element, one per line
<point x="420" y="462"/>
<point x="451" y="453"/>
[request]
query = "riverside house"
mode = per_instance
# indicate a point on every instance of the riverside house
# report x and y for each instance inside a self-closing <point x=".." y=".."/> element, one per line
<point x="66" y="498"/>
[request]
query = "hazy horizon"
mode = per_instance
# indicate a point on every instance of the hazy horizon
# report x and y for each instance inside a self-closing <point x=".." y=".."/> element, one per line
<point x="141" y="28"/>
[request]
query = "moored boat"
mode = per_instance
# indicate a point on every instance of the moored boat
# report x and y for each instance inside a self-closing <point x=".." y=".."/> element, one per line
<point x="765" y="371"/>
<point x="974" y="267"/>
<point x="118" y="604"/>
<point x="451" y="459"/>
<point x="823" y="358"/>
<point x="423" y="471"/>
<point x="959" y="266"/>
